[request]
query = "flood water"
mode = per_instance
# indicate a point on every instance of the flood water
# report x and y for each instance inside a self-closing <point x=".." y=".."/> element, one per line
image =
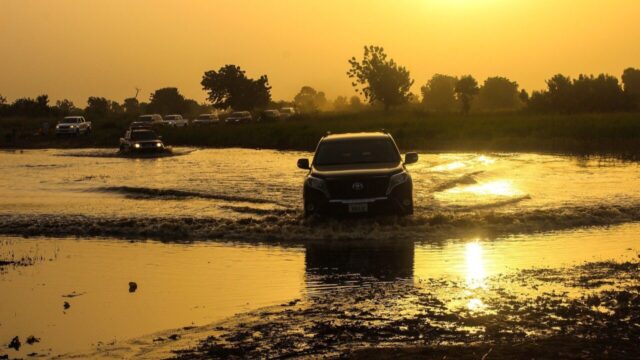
<point x="185" y="282"/>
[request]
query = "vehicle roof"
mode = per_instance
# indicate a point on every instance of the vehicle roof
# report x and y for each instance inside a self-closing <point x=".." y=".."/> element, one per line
<point x="360" y="135"/>
<point x="74" y="117"/>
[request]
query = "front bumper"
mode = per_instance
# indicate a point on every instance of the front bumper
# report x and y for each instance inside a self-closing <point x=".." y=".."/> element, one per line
<point x="399" y="201"/>
<point x="61" y="131"/>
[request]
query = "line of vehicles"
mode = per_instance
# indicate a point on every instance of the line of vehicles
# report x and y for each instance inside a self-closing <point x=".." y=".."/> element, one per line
<point x="78" y="125"/>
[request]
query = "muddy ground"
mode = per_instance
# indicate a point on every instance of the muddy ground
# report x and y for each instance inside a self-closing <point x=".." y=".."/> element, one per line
<point x="596" y="316"/>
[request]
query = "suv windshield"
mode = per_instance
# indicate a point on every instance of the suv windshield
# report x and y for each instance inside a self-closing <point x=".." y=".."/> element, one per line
<point x="145" y="118"/>
<point x="71" y="120"/>
<point x="356" y="151"/>
<point x="143" y="135"/>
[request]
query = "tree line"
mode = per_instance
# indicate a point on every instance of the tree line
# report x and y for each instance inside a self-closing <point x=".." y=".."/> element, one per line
<point x="375" y="77"/>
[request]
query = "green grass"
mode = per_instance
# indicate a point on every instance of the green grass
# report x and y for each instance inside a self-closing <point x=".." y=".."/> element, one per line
<point x="604" y="134"/>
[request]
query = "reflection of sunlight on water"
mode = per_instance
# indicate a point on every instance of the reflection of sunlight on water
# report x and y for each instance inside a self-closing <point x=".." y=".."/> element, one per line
<point x="475" y="272"/>
<point x="475" y="304"/>
<point x="450" y="166"/>
<point x="475" y="266"/>
<point x="484" y="160"/>
<point x="496" y="188"/>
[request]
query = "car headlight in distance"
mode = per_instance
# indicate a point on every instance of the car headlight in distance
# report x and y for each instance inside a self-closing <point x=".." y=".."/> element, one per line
<point x="158" y="145"/>
<point x="73" y="126"/>
<point x="318" y="184"/>
<point x="136" y="145"/>
<point x="396" y="180"/>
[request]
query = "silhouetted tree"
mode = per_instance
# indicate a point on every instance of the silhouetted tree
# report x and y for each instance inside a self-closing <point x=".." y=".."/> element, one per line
<point x="97" y="107"/>
<point x="438" y="94"/>
<point x="631" y="83"/>
<point x="355" y="103"/>
<point x="466" y="88"/>
<point x="167" y="101"/>
<point x="498" y="93"/>
<point x="340" y="103"/>
<point x="3" y="100"/>
<point x="524" y="96"/>
<point x="115" y="108"/>
<point x="194" y="109"/>
<point x="587" y="93"/>
<point x="131" y="106"/>
<point x="229" y="87"/>
<point x="66" y="107"/>
<point x="380" y="79"/>
<point x="4" y="108"/>
<point x="309" y="100"/>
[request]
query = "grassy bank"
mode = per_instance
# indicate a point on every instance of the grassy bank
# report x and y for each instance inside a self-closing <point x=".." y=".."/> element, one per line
<point x="607" y="134"/>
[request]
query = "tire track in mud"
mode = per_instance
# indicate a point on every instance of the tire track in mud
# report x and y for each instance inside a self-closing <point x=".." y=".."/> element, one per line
<point x="289" y="226"/>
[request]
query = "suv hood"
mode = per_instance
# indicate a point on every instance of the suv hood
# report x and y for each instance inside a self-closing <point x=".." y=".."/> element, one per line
<point x="379" y="169"/>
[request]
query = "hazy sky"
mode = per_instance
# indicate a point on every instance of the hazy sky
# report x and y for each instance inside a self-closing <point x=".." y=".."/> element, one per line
<point x="79" y="48"/>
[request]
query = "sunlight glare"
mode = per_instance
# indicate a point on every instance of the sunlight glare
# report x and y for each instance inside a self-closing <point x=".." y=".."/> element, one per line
<point x="475" y="270"/>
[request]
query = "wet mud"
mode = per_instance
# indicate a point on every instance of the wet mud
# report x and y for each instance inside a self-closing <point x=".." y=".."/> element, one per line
<point x="596" y="316"/>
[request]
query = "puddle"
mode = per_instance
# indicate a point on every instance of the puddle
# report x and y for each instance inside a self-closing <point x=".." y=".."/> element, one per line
<point x="200" y="283"/>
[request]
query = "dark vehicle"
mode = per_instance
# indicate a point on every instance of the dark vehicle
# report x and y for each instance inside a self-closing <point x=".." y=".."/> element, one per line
<point x="269" y="116"/>
<point x="239" y="117"/>
<point x="141" y="140"/>
<point x="359" y="173"/>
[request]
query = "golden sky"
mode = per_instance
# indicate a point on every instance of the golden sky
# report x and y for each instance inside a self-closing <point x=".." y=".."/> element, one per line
<point x="79" y="48"/>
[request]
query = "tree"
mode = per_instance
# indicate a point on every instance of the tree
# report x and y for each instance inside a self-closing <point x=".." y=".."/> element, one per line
<point x="310" y="100"/>
<point x="167" y="101"/>
<point x="439" y="94"/>
<point x="3" y="100"/>
<point x="499" y="93"/>
<point x="380" y="79"/>
<point x="65" y="107"/>
<point x="631" y="85"/>
<point x="466" y="88"/>
<point x="229" y="87"/>
<point x="587" y="93"/>
<point x="355" y="103"/>
<point x="340" y="103"/>
<point x="524" y="96"/>
<point x="131" y="106"/>
<point x="97" y="106"/>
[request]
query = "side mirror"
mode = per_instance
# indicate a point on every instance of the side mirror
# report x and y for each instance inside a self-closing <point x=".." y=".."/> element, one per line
<point x="410" y="158"/>
<point x="303" y="164"/>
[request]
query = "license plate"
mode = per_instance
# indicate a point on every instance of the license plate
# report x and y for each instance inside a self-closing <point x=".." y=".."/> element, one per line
<point x="358" y="208"/>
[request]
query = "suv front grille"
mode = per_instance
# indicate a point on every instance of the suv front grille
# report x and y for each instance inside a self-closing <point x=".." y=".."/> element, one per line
<point x="343" y="188"/>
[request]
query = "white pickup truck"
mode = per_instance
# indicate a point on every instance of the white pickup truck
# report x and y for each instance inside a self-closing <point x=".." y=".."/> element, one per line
<point x="175" y="121"/>
<point x="73" y="125"/>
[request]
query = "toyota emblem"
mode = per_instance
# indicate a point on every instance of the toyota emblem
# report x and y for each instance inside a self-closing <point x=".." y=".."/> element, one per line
<point x="357" y="186"/>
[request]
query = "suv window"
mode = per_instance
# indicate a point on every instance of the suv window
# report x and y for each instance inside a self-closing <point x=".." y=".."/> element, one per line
<point x="356" y="151"/>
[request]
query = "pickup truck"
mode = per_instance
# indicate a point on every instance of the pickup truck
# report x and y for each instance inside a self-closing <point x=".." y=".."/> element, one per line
<point x="73" y="125"/>
<point x="175" y="121"/>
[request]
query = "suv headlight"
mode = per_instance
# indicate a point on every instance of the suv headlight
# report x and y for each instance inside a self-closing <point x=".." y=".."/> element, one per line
<point x="136" y="145"/>
<point x="318" y="184"/>
<point x="396" y="180"/>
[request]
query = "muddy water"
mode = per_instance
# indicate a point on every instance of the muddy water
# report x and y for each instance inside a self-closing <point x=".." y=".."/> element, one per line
<point x="206" y="281"/>
<point x="232" y="182"/>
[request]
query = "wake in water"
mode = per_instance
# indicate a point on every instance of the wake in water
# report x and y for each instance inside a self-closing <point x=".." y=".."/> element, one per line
<point x="134" y="192"/>
<point x="282" y="226"/>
